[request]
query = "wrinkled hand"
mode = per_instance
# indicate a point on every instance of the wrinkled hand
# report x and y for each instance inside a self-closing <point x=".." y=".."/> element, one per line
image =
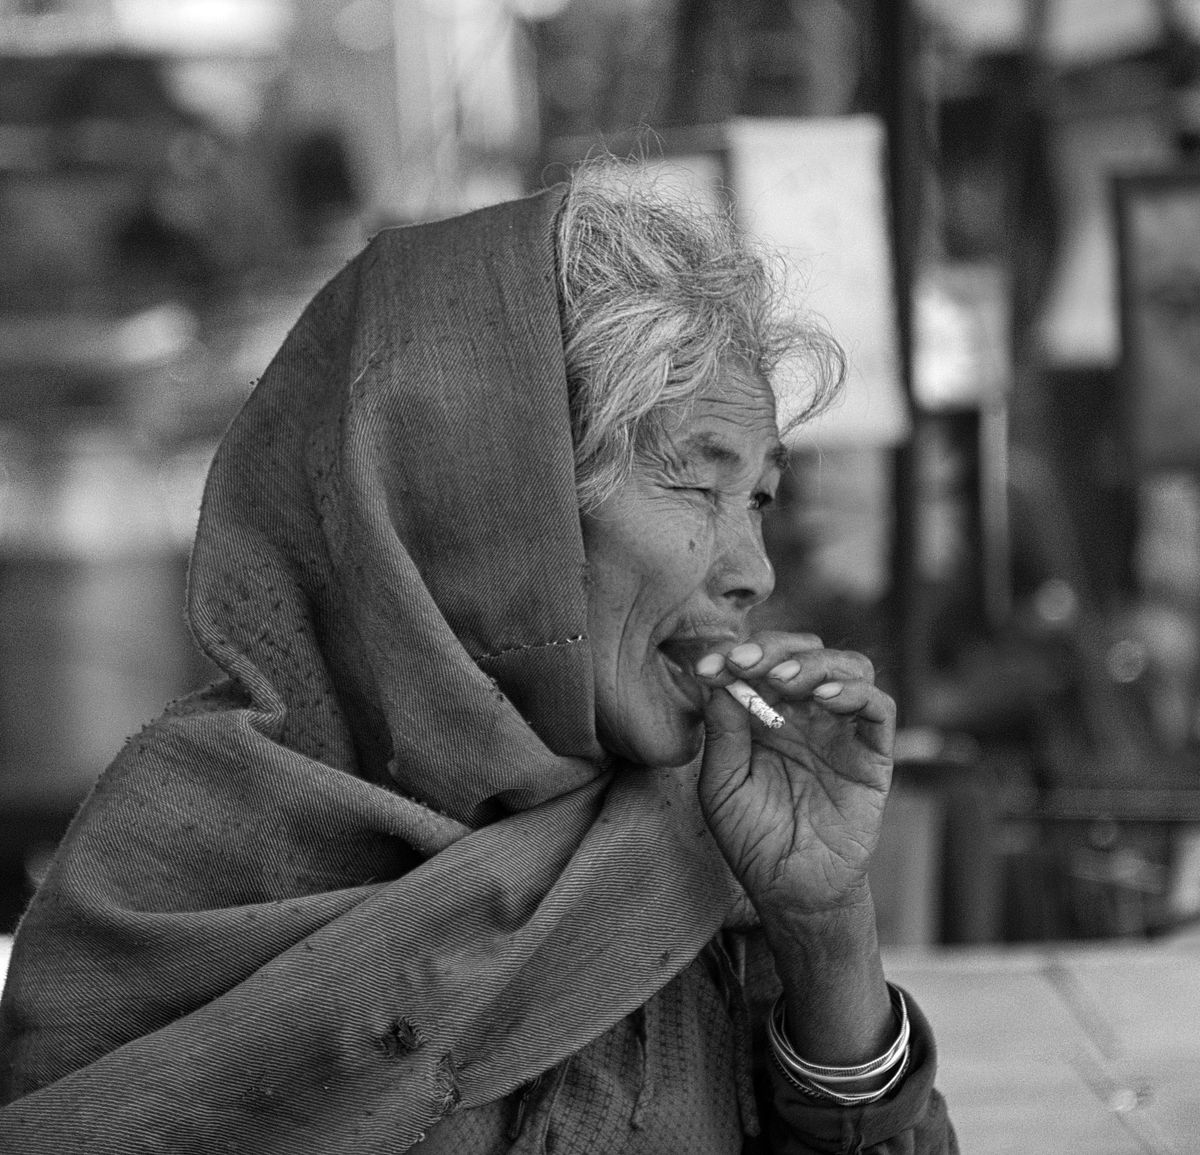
<point x="797" y="811"/>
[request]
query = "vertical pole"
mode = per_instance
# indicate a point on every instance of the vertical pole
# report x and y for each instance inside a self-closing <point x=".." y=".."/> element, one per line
<point x="898" y="50"/>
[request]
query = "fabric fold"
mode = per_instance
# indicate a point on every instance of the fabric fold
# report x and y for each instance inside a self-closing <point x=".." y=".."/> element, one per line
<point x="383" y="869"/>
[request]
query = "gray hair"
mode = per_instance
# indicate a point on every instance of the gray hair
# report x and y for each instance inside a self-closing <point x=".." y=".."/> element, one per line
<point x="659" y="297"/>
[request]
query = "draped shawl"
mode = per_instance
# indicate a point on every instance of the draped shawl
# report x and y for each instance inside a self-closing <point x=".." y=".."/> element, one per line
<point x="381" y="869"/>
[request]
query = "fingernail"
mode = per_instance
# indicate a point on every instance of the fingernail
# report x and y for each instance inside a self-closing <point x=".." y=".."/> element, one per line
<point x="710" y="665"/>
<point x="784" y="671"/>
<point x="828" y="690"/>
<point x="746" y="655"/>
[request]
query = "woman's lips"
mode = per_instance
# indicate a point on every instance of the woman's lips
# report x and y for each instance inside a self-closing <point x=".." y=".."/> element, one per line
<point x="681" y="678"/>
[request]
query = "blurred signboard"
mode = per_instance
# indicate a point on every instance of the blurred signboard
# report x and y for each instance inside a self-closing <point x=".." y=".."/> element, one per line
<point x="814" y="188"/>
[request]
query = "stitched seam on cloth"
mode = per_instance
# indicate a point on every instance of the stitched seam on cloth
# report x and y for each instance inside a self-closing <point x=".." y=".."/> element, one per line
<point x="417" y="801"/>
<point x="532" y="646"/>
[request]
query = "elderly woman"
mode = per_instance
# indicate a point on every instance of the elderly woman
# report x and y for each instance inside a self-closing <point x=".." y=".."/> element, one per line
<point x="473" y="848"/>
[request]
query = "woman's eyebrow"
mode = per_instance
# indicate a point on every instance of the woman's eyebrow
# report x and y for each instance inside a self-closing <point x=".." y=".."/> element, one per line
<point x="714" y="448"/>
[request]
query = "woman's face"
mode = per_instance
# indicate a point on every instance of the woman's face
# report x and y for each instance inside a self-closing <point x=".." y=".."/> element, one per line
<point x="675" y="562"/>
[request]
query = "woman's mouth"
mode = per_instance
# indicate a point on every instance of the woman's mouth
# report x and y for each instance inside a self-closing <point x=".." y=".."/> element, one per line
<point x="682" y="652"/>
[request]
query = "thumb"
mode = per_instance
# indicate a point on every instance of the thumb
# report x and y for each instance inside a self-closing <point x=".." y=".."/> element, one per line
<point x="726" y="760"/>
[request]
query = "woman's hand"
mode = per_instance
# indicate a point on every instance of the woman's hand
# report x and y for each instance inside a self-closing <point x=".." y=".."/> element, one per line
<point x="797" y="811"/>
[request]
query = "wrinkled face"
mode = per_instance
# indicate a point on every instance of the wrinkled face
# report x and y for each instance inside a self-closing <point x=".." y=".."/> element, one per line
<point x="675" y="562"/>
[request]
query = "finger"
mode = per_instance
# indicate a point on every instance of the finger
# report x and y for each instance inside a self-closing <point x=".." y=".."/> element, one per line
<point x="874" y="710"/>
<point x="756" y="654"/>
<point x="753" y="659"/>
<point x="726" y="729"/>
<point x="768" y="648"/>
<point x="727" y="744"/>
<point x="798" y="675"/>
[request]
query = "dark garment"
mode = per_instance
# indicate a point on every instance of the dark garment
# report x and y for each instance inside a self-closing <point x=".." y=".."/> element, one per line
<point x="678" y="1078"/>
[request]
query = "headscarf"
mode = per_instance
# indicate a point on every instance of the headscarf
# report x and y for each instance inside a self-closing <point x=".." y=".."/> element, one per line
<point x="382" y="869"/>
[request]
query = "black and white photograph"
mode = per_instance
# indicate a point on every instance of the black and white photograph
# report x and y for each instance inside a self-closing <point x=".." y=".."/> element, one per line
<point x="600" y="577"/>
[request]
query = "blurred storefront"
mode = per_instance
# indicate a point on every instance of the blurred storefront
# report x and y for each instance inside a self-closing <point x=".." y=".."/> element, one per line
<point x="993" y="204"/>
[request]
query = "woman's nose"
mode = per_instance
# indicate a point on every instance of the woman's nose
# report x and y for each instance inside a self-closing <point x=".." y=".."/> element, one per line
<point x="742" y="573"/>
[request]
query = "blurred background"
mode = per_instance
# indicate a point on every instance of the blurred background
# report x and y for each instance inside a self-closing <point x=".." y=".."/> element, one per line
<point x="995" y="203"/>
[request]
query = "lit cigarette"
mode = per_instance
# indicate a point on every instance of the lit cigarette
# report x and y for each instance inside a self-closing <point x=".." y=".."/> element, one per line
<point x="748" y="699"/>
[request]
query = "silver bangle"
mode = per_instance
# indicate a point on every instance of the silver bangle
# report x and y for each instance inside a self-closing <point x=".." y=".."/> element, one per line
<point x="823" y="1081"/>
<point x="842" y="1099"/>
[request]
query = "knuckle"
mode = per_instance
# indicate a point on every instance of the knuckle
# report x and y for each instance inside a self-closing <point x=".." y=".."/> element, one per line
<point x="787" y="640"/>
<point x="862" y="666"/>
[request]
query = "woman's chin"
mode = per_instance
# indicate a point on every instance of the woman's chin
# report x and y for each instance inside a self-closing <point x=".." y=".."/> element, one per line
<point x="662" y="747"/>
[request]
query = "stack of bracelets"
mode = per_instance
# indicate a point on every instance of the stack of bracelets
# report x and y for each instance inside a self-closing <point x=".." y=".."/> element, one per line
<point x="842" y="1085"/>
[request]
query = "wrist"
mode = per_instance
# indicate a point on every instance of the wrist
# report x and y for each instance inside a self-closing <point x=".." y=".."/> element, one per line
<point x="845" y="930"/>
<point x="837" y="1002"/>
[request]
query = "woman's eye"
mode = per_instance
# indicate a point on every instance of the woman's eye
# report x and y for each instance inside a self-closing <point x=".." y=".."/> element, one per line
<point x="761" y="500"/>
